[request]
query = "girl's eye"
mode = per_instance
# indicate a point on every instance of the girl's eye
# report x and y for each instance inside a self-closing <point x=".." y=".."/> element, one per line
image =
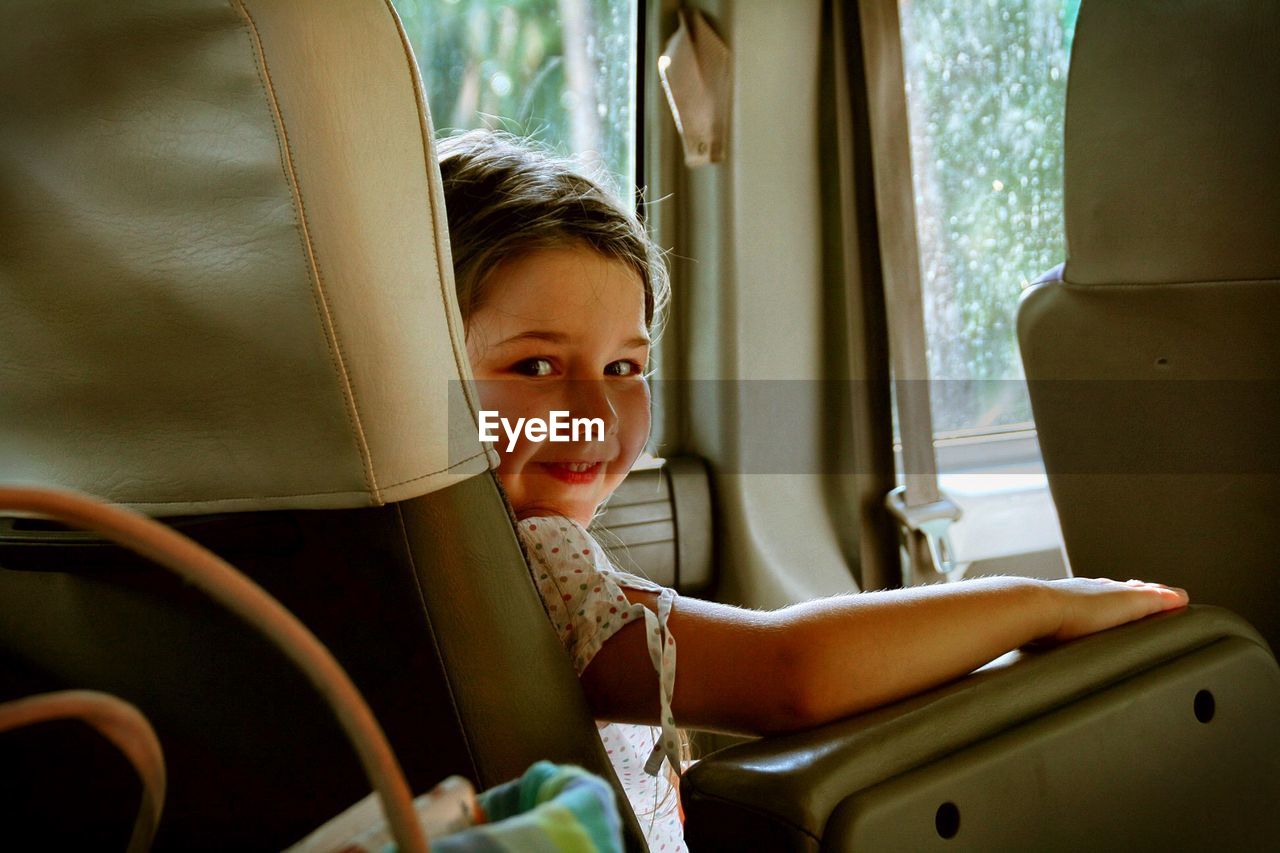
<point x="623" y="368"/>
<point x="534" y="367"/>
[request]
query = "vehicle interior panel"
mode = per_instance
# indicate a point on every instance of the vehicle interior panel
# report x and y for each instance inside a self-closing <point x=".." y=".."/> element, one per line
<point x="822" y="789"/>
<point x="1146" y="740"/>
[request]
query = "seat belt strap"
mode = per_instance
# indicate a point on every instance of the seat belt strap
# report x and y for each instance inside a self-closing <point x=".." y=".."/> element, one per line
<point x="923" y="512"/>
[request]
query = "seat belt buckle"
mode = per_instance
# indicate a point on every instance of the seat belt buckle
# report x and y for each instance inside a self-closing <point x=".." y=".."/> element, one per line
<point x="926" y="533"/>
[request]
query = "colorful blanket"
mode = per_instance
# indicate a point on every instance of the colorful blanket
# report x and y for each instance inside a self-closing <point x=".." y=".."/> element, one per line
<point x="550" y="808"/>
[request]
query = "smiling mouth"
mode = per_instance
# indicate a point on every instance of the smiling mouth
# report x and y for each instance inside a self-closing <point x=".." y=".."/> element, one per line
<point x="573" y="472"/>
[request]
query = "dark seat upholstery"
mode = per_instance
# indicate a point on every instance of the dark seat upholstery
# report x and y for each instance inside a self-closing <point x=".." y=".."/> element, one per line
<point x="459" y="666"/>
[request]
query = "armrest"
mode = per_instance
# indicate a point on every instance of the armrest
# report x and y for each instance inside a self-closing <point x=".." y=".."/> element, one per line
<point x="780" y="793"/>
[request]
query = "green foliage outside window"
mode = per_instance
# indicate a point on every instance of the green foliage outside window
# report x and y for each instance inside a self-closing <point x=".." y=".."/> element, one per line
<point x="986" y="87"/>
<point x="559" y="71"/>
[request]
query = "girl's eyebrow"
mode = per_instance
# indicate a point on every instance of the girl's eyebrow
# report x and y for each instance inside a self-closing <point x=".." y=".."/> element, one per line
<point x="535" y="335"/>
<point x="638" y="342"/>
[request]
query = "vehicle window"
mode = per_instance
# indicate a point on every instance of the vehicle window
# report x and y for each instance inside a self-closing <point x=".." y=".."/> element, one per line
<point x="986" y="91"/>
<point x="560" y="71"/>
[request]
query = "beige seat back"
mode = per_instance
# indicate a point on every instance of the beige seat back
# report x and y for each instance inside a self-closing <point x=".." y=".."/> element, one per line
<point x="1153" y="355"/>
<point x="226" y="299"/>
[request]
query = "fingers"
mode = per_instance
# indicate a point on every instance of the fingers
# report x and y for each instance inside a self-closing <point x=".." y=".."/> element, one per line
<point x="1158" y="597"/>
<point x="1176" y="591"/>
<point x="1167" y="597"/>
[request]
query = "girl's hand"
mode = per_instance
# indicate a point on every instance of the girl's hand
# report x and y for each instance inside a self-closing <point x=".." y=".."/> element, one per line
<point x="1088" y="605"/>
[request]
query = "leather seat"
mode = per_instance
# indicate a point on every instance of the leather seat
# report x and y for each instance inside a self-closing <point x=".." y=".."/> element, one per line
<point x="1152" y="354"/>
<point x="226" y="299"/>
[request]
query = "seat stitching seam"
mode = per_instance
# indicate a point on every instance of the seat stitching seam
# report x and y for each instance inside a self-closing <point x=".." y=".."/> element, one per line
<point x="440" y="471"/>
<point x="334" y="345"/>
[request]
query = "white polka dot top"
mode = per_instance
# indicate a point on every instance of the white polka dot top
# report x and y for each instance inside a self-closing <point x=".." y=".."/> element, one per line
<point x="583" y="595"/>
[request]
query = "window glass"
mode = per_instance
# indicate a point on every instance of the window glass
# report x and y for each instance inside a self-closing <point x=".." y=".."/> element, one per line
<point x="986" y="89"/>
<point x="560" y="71"/>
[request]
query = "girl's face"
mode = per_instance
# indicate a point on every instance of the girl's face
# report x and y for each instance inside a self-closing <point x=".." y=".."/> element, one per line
<point x="563" y="329"/>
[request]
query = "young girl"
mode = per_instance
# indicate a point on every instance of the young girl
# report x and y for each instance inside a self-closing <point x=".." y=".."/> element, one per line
<point x="560" y="289"/>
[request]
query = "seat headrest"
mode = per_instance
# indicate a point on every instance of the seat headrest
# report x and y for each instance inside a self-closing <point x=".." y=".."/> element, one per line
<point x="225" y="281"/>
<point x="1172" y="134"/>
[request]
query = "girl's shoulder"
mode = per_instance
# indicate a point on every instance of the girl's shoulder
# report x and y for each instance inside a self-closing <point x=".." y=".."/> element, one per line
<point x="541" y="529"/>
<point x="558" y="544"/>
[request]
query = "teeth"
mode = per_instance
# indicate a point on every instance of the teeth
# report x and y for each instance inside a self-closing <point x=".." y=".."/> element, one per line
<point x="578" y="467"/>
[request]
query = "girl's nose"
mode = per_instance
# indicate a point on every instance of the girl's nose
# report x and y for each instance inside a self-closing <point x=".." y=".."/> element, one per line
<point x="593" y="398"/>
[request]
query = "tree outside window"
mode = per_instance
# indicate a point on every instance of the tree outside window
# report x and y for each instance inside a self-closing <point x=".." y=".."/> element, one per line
<point x="559" y="71"/>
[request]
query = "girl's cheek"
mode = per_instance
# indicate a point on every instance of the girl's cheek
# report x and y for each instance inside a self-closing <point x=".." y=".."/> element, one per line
<point x="636" y="416"/>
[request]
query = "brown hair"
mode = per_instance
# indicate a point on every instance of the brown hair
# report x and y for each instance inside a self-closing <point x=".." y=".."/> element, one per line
<point x="505" y="197"/>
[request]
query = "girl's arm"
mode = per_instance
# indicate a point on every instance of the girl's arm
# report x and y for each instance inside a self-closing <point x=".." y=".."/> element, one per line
<point x="766" y="672"/>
